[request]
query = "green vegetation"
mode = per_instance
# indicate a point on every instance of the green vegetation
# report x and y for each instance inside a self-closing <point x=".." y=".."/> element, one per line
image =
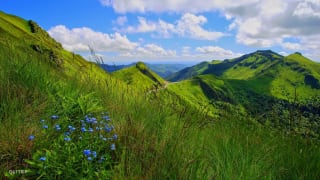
<point x="188" y="72"/>
<point x="140" y="76"/>
<point x="160" y="134"/>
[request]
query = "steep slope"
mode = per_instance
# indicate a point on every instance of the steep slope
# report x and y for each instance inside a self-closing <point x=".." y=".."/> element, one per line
<point x="163" y="70"/>
<point x="285" y="77"/>
<point x="207" y="92"/>
<point x="29" y="38"/>
<point x="140" y="76"/>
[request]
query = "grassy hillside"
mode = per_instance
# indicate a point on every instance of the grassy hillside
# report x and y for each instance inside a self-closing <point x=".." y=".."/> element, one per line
<point x="64" y="118"/>
<point x="163" y="70"/>
<point x="140" y="76"/>
<point x="286" y="77"/>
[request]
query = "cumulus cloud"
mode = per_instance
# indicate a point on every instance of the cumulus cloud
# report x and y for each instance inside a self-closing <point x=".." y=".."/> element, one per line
<point x="216" y="52"/>
<point x="121" y="20"/>
<point x="189" y="25"/>
<point x="257" y="23"/>
<point x="270" y="23"/>
<point x="78" y="39"/>
<point x="291" y="46"/>
<point x="309" y="8"/>
<point x="182" y="6"/>
<point x="143" y="27"/>
<point x="150" y="51"/>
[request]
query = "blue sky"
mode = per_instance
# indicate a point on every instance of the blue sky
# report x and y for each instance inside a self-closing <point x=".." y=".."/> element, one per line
<point x="124" y="31"/>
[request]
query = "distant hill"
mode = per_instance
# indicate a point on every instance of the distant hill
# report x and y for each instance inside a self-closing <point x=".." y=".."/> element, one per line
<point x="163" y="70"/>
<point x="139" y="75"/>
<point x="189" y="72"/>
<point x="112" y="68"/>
<point x="280" y="76"/>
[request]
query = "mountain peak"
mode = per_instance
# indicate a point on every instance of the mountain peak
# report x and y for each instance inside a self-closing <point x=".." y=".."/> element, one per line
<point x="266" y="53"/>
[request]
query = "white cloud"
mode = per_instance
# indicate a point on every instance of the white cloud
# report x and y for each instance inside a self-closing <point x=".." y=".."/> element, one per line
<point x="118" y="48"/>
<point x="283" y="53"/>
<point x="271" y="8"/>
<point x="257" y="23"/>
<point x="121" y="20"/>
<point x="185" y="51"/>
<point x="182" y="6"/>
<point x="269" y="23"/>
<point x="189" y="25"/>
<point x="151" y="51"/>
<point x="143" y="27"/>
<point x="291" y="46"/>
<point x="215" y="52"/>
<point x="308" y="8"/>
<point x="78" y="39"/>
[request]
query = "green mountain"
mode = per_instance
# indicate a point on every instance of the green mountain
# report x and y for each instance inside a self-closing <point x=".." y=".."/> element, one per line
<point x="140" y="76"/>
<point x="62" y="117"/>
<point x="280" y="76"/>
<point x="256" y="84"/>
<point x="189" y="72"/>
<point x="163" y="70"/>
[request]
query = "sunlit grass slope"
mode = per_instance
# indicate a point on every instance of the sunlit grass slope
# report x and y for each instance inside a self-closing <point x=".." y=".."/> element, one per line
<point x="152" y="135"/>
<point x="140" y="76"/>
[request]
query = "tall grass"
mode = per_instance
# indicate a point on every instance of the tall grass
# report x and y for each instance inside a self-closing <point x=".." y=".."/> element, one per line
<point x="159" y="135"/>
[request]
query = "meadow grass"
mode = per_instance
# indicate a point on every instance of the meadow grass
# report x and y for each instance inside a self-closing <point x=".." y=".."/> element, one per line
<point x="158" y="134"/>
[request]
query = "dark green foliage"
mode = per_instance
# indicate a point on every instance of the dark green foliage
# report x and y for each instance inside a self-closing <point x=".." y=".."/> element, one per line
<point x="42" y="34"/>
<point x="311" y="81"/>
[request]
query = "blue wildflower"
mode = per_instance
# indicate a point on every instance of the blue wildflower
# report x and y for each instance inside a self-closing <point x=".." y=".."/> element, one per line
<point x="42" y="158"/>
<point x="89" y="158"/>
<point x="113" y="147"/>
<point x="108" y="129"/>
<point x="88" y="120"/>
<point x="87" y="152"/>
<point x="104" y="139"/>
<point x="67" y="139"/>
<point x="31" y="137"/>
<point x="83" y="129"/>
<point x="94" y="154"/>
<point x="90" y="130"/>
<point x="45" y="126"/>
<point x="54" y="117"/>
<point x="71" y="128"/>
<point x="57" y="127"/>
<point x="67" y="133"/>
<point x="115" y="137"/>
<point x="107" y="118"/>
